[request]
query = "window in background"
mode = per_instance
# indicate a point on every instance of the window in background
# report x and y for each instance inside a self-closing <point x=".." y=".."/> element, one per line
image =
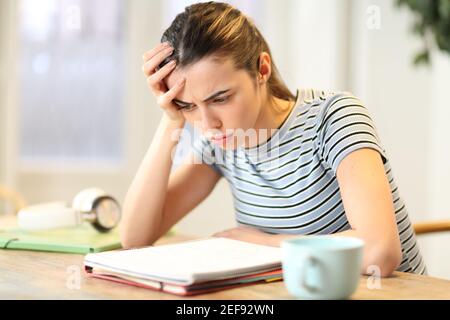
<point x="71" y="81"/>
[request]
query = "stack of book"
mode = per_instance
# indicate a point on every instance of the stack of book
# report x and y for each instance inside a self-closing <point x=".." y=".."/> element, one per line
<point x="190" y="267"/>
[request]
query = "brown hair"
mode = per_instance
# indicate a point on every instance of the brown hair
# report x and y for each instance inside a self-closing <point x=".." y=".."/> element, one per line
<point x="220" y="30"/>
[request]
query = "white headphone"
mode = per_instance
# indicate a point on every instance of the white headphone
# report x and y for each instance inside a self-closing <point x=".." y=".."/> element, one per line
<point x="92" y="204"/>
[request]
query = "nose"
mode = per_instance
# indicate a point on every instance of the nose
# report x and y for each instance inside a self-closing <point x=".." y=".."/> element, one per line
<point x="209" y="120"/>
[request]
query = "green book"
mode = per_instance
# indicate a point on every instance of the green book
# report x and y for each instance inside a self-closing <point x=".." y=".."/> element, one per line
<point x="82" y="239"/>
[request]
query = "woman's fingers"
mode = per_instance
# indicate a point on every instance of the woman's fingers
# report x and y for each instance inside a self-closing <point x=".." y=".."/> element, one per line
<point x="152" y="59"/>
<point x="150" y="66"/>
<point x="166" y="98"/>
<point x="157" y="77"/>
<point x="149" y="54"/>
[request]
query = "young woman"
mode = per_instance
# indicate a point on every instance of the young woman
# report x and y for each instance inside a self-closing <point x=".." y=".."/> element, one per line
<point x="314" y="165"/>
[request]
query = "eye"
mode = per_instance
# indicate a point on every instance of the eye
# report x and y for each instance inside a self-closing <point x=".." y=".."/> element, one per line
<point x="220" y="100"/>
<point x="187" y="108"/>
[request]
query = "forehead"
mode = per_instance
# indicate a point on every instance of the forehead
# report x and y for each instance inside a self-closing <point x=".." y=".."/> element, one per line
<point x="204" y="77"/>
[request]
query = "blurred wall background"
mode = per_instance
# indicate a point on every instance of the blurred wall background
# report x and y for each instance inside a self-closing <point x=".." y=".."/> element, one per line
<point x="75" y="110"/>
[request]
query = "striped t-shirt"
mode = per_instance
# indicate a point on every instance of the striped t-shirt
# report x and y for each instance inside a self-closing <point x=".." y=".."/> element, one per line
<point x="288" y="183"/>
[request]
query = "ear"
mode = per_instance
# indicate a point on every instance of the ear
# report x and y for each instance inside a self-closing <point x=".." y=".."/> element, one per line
<point x="265" y="69"/>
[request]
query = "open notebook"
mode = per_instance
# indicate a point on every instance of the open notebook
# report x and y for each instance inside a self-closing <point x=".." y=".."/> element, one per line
<point x="190" y="267"/>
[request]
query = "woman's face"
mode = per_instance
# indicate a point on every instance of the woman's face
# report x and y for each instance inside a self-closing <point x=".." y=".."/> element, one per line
<point x="217" y="99"/>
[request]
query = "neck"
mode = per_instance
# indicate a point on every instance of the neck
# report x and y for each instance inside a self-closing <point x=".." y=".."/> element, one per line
<point x="272" y="115"/>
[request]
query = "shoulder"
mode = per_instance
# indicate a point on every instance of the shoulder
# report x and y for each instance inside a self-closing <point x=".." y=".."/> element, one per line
<point x="341" y="107"/>
<point x="314" y="95"/>
<point x="319" y="101"/>
<point x="314" y="106"/>
<point x="338" y="101"/>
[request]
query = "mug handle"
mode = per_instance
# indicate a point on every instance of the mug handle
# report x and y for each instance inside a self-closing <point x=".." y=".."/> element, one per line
<point x="309" y="263"/>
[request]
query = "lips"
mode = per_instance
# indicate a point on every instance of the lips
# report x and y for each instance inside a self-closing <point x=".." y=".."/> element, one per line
<point x="220" y="138"/>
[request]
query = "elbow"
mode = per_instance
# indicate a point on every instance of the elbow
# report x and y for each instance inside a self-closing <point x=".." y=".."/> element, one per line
<point x="130" y="240"/>
<point x="126" y="241"/>
<point x="383" y="260"/>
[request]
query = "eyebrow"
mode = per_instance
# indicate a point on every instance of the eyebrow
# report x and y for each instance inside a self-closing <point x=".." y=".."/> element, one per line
<point x="218" y="93"/>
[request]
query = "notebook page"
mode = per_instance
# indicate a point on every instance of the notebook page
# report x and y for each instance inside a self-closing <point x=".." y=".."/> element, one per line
<point x="191" y="261"/>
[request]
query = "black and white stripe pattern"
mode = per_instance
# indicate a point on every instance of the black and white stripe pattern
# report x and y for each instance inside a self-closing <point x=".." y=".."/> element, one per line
<point x="288" y="184"/>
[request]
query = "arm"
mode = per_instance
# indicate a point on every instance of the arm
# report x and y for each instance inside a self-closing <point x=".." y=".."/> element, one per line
<point x="368" y="206"/>
<point x="156" y="199"/>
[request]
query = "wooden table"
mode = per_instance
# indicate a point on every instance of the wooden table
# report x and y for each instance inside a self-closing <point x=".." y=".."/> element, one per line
<point x="45" y="275"/>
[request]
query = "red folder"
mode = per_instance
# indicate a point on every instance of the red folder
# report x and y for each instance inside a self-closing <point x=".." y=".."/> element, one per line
<point x="190" y="290"/>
